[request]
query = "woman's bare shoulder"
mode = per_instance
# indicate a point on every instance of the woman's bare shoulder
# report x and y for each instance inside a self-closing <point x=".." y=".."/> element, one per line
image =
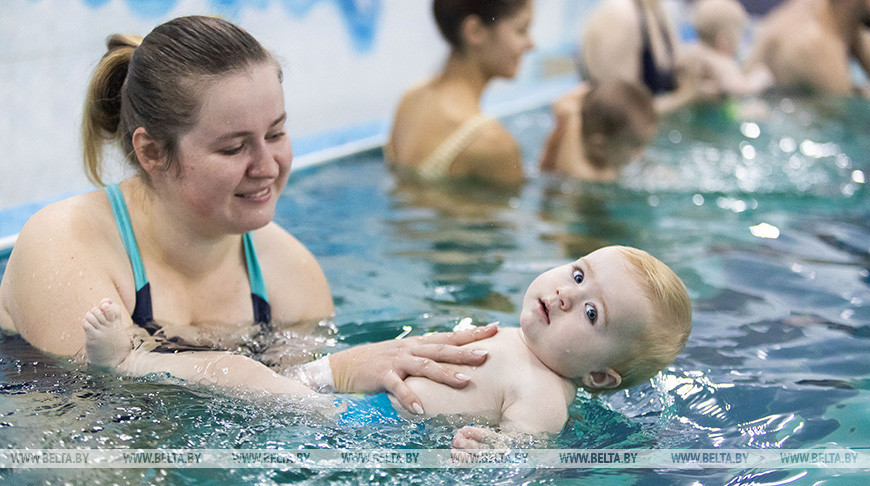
<point x="494" y="147"/>
<point x="494" y="155"/>
<point x="494" y="138"/>
<point x="297" y="287"/>
<point x="413" y="97"/>
<point x="273" y="239"/>
<point x="284" y="256"/>
<point x="67" y="257"/>
<point x="80" y="220"/>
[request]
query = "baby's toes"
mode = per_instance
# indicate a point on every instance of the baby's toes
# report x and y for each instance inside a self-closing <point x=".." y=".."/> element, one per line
<point x="111" y="311"/>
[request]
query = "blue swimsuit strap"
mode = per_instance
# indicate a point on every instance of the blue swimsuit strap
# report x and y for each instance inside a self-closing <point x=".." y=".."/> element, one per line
<point x="122" y="219"/>
<point x="657" y="80"/>
<point x="255" y="276"/>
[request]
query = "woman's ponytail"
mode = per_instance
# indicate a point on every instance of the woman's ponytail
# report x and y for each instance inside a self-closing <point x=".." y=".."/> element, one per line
<point x="102" y="110"/>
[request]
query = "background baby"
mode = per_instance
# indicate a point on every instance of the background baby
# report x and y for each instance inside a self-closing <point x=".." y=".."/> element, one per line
<point x="599" y="128"/>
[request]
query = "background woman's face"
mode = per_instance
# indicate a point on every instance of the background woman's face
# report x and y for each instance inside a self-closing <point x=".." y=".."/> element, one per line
<point x="508" y="40"/>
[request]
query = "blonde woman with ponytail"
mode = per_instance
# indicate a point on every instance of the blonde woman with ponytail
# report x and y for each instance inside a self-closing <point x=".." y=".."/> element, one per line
<point x="167" y="269"/>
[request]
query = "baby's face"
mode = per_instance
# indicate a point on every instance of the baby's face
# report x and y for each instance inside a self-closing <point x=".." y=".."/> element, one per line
<point x="585" y="316"/>
<point x="730" y="37"/>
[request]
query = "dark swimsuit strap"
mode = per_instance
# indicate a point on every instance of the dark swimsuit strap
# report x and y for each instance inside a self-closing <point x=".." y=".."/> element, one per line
<point x="656" y="79"/>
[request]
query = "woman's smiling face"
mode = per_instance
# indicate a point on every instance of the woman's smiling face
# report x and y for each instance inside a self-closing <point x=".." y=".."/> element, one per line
<point x="234" y="163"/>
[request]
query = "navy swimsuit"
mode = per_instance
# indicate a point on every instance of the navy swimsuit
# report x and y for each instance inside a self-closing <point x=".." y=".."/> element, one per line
<point x="657" y="80"/>
<point x="143" y="315"/>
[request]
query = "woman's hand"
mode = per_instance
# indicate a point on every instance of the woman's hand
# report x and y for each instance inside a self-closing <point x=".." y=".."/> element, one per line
<point x="376" y="367"/>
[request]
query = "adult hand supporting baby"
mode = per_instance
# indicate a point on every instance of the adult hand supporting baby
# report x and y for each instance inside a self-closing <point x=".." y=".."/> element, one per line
<point x="383" y="366"/>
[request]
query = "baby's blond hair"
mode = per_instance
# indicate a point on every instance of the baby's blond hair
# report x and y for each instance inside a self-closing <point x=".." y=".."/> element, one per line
<point x="659" y="343"/>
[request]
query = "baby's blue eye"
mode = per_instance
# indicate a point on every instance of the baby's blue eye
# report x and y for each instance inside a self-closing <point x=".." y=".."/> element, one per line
<point x="591" y="313"/>
<point x="578" y="276"/>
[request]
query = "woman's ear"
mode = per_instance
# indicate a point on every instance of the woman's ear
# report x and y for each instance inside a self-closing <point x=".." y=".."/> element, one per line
<point x="602" y="380"/>
<point x="148" y="151"/>
<point x="473" y="30"/>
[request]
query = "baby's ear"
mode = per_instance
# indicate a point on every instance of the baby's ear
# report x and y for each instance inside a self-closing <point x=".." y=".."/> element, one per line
<point x="602" y="380"/>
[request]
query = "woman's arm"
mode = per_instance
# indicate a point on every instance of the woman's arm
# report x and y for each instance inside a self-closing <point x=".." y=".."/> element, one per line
<point x="60" y="267"/>
<point x="611" y="43"/>
<point x="298" y="290"/>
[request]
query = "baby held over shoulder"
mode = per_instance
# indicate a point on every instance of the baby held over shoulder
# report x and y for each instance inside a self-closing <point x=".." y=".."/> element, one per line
<point x="605" y="322"/>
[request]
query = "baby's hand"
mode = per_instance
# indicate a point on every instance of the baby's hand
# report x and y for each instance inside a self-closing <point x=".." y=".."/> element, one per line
<point x="470" y="437"/>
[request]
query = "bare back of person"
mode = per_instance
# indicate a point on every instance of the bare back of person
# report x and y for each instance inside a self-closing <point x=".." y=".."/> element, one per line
<point x="805" y="43"/>
<point x="430" y="114"/>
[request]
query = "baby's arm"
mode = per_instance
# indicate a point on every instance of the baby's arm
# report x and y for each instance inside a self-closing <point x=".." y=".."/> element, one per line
<point x="736" y="81"/>
<point x="564" y="148"/>
<point x="523" y="423"/>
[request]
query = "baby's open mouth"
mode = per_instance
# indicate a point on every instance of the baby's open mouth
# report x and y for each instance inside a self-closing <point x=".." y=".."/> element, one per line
<point x="544" y="310"/>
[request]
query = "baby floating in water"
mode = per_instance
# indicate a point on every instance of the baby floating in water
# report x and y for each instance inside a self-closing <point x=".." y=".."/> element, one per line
<point x="608" y="321"/>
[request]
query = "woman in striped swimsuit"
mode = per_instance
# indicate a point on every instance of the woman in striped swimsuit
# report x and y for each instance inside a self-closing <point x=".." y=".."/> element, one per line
<point x="439" y="131"/>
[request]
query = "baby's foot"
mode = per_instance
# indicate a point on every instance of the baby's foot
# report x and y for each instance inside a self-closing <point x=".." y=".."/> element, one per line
<point x="107" y="343"/>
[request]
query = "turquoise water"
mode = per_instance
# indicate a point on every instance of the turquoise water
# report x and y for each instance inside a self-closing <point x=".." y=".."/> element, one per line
<point x="777" y="357"/>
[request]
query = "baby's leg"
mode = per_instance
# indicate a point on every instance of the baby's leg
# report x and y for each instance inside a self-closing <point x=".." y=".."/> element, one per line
<point x="107" y="343"/>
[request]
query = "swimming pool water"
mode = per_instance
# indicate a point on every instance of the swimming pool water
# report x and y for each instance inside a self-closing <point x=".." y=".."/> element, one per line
<point x="777" y="357"/>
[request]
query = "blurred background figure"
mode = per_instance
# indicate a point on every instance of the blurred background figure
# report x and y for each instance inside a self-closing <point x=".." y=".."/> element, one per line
<point x="720" y="25"/>
<point x="635" y="41"/>
<point x="810" y="44"/>
<point x="600" y="127"/>
<point x="439" y="131"/>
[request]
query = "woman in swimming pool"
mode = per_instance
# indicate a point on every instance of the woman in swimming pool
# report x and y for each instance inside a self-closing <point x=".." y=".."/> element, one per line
<point x="635" y="41"/>
<point x="197" y="107"/>
<point x="439" y="131"/>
